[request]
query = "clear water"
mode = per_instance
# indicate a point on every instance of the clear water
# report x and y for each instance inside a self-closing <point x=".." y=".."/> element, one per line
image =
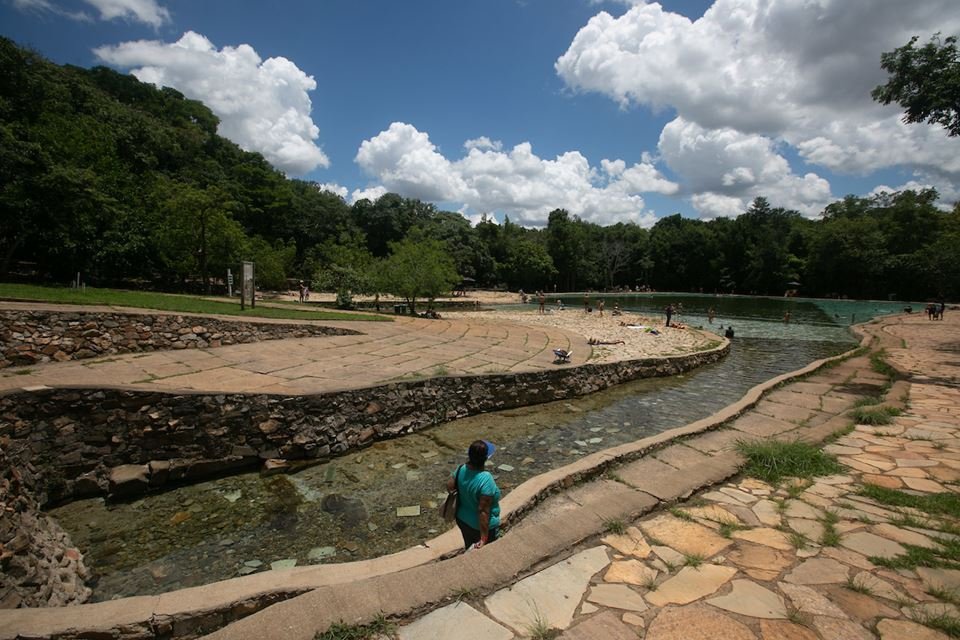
<point x="346" y="509"/>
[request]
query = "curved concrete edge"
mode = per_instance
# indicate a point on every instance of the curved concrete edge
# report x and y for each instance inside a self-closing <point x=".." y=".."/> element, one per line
<point x="248" y="594"/>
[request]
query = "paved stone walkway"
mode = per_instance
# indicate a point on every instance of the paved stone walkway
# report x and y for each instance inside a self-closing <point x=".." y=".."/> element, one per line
<point x="746" y="560"/>
<point x="800" y="561"/>
<point x="407" y="348"/>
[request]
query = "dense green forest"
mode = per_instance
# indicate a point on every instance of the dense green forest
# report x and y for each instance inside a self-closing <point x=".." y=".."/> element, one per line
<point x="131" y="185"/>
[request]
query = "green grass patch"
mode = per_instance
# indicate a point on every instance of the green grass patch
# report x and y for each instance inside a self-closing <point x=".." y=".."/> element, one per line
<point x="878" y="362"/>
<point x="866" y="402"/>
<point x="771" y="461"/>
<point x="943" y="621"/>
<point x="935" y="504"/>
<point x="170" y="302"/>
<point x="339" y="631"/>
<point x="677" y="512"/>
<point x="615" y="526"/>
<point x="693" y="560"/>
<point x="874" y="415"/>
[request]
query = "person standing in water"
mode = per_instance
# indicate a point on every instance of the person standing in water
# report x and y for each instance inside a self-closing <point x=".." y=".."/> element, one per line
<point x="478" y="502"/>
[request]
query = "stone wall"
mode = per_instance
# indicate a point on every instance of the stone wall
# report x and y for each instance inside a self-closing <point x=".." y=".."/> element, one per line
<point x="33" y="337"/>
<point x="123" y="442"/>
<point x="38" y="565"/>
<point x="61" y="444"/>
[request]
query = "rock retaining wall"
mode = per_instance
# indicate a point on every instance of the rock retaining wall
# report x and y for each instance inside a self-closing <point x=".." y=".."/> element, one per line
<point x="60" y="444"/>
<point x="33" y="337"/>
<point x="38" y="565"/>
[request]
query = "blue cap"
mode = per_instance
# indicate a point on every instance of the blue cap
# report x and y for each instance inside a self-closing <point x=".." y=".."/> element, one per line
<point x="491" y="449"/>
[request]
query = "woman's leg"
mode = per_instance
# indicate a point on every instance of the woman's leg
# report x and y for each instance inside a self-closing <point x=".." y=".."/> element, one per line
<point x="470" y="535"/>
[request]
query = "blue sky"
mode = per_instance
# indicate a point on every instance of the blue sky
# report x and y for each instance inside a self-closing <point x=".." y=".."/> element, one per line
<point x="617" y="111"/>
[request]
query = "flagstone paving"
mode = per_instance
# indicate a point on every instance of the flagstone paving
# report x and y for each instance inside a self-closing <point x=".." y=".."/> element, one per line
<point x="799" y="561"/>
<point x="406" y="348"/>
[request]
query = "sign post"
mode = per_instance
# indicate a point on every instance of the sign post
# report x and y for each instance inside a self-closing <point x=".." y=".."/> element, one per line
<point x="229" y="283"/>
<point x="247" y="286"/>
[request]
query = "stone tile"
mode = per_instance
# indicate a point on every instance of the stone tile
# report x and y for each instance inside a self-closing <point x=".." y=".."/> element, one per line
<point x="740" y="496"/>
<point x="840" y="629"/>
<point x="869" y="545"/>
<point x="765" y="536"/>
<point x="630" y="543"/>
<point x="669" y="556"/>
<point x="616" y="596"/>
<point x="630" y="572"/>
<point x="944" y="579"/>
<point x="686" y="537"/>
<point x="458" y="620"/>
<point x="800" y="509"/>
<point x="691" y="583"/>
<point x="551" y="595"/>
<point x="767" y="512"/>
<point x="681" y="456"/>
<point x="928" y="486"/>
<point x="750" y="599"/>
<point x="849" y="557"/>
<point x="818" y="571"/>
<point x="860" y="606"/>
<point x="757" y="561"/>
<point x="811" y="529"/>
<point x="806" y="600"/>
<point x="712" y="513"/>
<point x="877" y="586"/>
<point x="761" y="426"/>
<point x="783" y="630"/>
<point x="604" y="625"/>
<point x="634" y="620"/>
<point x="888" y="482"/>
<point x="904" y="536"/>
<point x="901" y="629"/>
<point x="696" y="623"/>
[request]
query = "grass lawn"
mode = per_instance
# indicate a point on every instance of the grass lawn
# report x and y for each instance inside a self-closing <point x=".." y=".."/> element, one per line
<point x="169" y="302"/>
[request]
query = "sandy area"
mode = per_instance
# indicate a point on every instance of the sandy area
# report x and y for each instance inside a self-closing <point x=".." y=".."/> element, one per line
<point x="637" y="342"/>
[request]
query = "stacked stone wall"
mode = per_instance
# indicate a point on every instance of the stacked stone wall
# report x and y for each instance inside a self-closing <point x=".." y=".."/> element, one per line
<point x="34" y="337"/>
<point x="66" y="443"/>
<point x="38" y="565"/>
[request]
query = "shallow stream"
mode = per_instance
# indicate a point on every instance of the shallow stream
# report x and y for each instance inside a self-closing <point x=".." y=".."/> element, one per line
<point x="347" y="509"/>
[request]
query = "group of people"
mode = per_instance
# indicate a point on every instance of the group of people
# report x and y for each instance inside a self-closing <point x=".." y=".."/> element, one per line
<point x="935" y="311"/>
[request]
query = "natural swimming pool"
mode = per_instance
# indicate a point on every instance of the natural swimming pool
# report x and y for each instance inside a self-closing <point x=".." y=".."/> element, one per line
<point x="346" y="509"/>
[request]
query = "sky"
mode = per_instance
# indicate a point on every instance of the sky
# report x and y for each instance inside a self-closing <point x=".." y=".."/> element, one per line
<point x="617" y="111"/>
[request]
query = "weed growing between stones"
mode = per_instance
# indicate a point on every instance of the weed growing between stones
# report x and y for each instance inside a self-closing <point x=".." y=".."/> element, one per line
<point x="798" y="540"/>
<point x="878" y="362"/>
<point x="677" y="512"/>
<point x="540" y="630"/>
<point x="839" y="433"/>
<point x="615" y="526"/>
<point x="858" y="585"/>
<point x="942" y="621"/>
<point x="877" y="415"/>
<point x="727" y="528"/>
<point x="945" y="595"/>
<point x="772" y="461"/>
<point x="339" y="631"/>
<point x="934" y="504"/>
<point x="693" y="560"/>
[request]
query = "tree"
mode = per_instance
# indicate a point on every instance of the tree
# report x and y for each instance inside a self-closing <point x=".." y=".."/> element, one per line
<point x="418" y="270"/>
<point x="925" y="81"/>
<point x="347" y="268"/>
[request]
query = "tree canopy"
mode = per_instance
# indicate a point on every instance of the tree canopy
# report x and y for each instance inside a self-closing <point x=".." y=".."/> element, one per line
<point x="131" y="185"/>
<point x="925" y="81"/>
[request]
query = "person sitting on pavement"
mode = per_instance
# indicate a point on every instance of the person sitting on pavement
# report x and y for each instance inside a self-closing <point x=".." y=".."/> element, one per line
<point x="478" y="502"/>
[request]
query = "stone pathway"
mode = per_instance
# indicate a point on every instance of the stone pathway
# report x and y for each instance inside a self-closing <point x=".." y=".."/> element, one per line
<point x="405" y="349"/>
<point x="746" y="560"/>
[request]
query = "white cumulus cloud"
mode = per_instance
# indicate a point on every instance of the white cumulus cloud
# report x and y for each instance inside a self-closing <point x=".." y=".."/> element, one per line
<point x="517" y="181"/>
<point x="263" y="105"/>
<point x="793" y="72"/>
<point x="143" y="11"/>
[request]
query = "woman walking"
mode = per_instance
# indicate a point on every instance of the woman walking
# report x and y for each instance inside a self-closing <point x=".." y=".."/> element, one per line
<point x="478" y="507"/>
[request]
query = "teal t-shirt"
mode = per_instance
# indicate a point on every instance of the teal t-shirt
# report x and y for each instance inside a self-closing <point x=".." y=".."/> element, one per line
<point x="471" y="485"/>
